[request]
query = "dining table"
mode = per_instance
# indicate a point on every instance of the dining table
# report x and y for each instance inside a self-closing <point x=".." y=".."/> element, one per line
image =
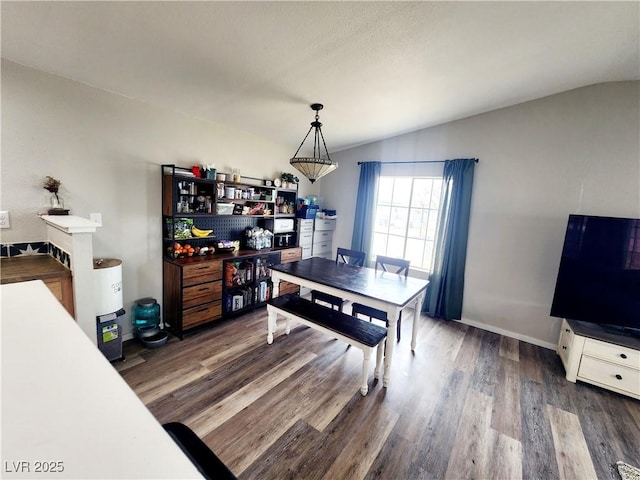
<point x="385" y="291"/>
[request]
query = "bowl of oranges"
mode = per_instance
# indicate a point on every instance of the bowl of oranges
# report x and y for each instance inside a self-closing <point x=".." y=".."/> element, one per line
<point x="181" y="251"/>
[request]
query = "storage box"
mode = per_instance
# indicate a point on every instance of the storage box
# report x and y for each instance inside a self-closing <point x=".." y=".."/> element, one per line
<point x="224" y="208"/>
<point x="258" y="243"/>
<point x="307" y="211"/>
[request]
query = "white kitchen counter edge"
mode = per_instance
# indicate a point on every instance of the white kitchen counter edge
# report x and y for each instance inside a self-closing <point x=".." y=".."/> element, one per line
<point x="63" y="402"/>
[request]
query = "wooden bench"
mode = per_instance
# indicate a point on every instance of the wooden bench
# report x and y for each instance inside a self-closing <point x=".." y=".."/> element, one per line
<point x="361" y="334"/>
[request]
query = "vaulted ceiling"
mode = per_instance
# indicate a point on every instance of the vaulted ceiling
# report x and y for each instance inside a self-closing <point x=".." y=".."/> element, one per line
<point x="380" y="68"/>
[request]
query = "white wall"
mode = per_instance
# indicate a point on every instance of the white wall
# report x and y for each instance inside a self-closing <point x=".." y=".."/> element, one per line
<point x="106" y="150"/>
<point x="575" y="152"/>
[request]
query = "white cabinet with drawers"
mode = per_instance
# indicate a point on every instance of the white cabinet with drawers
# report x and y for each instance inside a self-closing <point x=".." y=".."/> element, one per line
<point x="592" y="355"/>
<point x="305" y="236"/>
<point x="323" y="237"/>
<point x="316" y="237"/>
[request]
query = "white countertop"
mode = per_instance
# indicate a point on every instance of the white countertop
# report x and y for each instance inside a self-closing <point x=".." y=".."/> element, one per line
<point x="71" y="223"/>
<point x="64" y="403"/>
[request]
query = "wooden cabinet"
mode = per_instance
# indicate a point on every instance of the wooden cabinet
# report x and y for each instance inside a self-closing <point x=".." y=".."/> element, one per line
<point x="40" y="267"/>
<point x="202" y="290"/>
<point x="291" y="255"/>
<point x="192" y="293"/>
<point x="593" y="355"/>
<point x="62" y="288"/>
<point x="196" y="290"/>
<point x="288" y="256"/>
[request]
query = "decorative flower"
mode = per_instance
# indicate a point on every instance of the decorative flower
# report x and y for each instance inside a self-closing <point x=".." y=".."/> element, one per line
<point x="51" y="184"/>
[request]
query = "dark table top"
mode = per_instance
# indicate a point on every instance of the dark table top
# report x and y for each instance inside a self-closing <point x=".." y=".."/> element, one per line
<point x="387" y="287"/>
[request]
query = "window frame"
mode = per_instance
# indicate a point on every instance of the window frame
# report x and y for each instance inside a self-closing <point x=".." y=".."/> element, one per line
<point x="428" y="213"/>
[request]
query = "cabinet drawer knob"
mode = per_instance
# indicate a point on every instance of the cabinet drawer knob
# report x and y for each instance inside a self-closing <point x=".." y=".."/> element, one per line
<point x="623" y="355"/>
<point x="619" y="377"/>
<point x="564" y="347"/>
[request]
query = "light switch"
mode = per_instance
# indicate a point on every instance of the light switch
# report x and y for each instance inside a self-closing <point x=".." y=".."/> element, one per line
<point x="5" y="221"/>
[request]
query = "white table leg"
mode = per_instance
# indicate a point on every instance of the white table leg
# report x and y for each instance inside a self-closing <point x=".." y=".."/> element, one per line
<point x="276" y="284"/>
<point x="377" y="373"/>
<point x="271" y="323"/>
<point x="365" y="370"/>
<point x="416" y="317"/>
<point x="392" y="336"/>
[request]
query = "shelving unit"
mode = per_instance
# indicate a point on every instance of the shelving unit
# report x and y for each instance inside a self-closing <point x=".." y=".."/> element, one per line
<point x="247" y="282"/>
<point x="202" y="289"/>
<point x="186" y="201"/>
<point x="210" y="204"/>
<point x="247" y="199"/>
<point x="286" y="199"/>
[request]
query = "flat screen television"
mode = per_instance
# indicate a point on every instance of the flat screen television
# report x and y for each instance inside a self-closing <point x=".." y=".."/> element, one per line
<point x="599" y="275"/>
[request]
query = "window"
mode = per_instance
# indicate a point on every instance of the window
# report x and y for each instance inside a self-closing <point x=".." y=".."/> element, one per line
<point x="406" y="218"/>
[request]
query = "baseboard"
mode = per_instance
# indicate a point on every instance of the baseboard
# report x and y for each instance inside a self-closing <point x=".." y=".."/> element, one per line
<point x="508" y="333"/>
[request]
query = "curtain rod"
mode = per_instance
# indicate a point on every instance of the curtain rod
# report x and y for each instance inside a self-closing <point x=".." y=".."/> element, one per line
<point x="417" y="161"/>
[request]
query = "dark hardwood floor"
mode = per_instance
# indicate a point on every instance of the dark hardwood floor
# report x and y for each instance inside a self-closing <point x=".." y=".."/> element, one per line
<point x="468" y="404"/>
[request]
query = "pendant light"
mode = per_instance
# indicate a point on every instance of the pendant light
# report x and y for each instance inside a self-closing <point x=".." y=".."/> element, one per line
<point x="314" y="167"/>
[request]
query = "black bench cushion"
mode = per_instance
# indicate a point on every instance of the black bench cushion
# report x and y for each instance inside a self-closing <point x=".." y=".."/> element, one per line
<point x="364" y="332"/>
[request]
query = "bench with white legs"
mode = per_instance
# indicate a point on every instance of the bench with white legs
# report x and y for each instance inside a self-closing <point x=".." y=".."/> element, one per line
<point x="361" y="334"/>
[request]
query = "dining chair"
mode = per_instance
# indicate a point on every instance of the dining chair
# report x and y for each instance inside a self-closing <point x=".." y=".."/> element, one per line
<point x="352" y="257"/>
<point x="395" y="265"/>
<point x="336" y="302"/>
<point x="343" y="255"/>
<point x="399" y="266"/>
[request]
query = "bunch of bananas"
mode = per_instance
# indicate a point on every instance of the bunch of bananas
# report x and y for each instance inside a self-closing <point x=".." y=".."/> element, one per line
<point x="200" y="233"/>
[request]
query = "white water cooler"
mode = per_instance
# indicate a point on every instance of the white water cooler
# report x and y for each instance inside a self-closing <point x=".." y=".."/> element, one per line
<point x="107" y="285"/>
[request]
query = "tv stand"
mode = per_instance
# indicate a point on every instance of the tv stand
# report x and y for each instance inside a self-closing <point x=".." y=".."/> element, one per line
<point x="615" y="330"/>
<point x="591" y="354"/>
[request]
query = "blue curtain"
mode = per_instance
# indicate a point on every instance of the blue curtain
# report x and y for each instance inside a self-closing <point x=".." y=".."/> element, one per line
<point x="444" y="293"/>
<point x="365" y="207"/>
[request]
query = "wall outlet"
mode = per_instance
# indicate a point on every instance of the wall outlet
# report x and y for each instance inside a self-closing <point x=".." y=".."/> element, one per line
<point x="96" y="217"/>
<point x="5" y="221"/>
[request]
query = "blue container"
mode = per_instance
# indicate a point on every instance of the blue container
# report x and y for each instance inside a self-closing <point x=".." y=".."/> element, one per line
<point x="146" y="314"/>
<point x="307" y="211"/>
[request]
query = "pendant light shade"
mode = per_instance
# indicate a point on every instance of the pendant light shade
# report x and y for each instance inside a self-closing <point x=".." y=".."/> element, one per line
<point x="315" y="166"/>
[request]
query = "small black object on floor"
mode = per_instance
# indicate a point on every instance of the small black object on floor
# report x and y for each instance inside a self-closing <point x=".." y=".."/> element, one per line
<point x="207" y="463"/>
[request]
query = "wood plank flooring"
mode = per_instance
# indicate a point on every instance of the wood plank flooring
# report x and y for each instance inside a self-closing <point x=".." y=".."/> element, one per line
<point x="468" y="404"/>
